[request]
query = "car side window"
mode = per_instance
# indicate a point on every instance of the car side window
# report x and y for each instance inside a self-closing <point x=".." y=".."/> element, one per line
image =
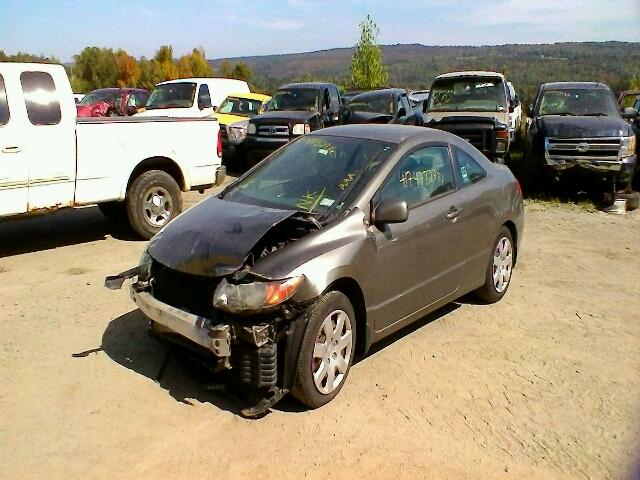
<point x="405" y="103"/>
<point x="4" y="106"/>
<point x="424" y="174"/>
<point x="335" y="98"/>
<point x="39" y="91"/>
<point x="204" y="99"/>
<point x="469" y="171"/>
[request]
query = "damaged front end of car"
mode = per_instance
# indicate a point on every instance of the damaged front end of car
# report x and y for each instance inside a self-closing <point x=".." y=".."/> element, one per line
<point x="198" y="287"/>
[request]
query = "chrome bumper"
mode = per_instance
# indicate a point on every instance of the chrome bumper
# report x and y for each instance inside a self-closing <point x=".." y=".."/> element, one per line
<point x="199" y="330"/>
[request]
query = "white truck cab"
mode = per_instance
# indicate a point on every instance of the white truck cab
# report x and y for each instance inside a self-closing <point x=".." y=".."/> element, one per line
<point x="134" y="169"/>
<point x="190" y="97"/>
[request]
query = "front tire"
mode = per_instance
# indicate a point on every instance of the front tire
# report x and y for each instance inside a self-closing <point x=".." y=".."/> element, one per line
<point x="327" y="350"/>
<point x="153" y="200"/>
<point x="500" y="268"/>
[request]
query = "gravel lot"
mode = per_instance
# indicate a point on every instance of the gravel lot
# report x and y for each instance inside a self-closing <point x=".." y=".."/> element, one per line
<point x="544" y="384"/>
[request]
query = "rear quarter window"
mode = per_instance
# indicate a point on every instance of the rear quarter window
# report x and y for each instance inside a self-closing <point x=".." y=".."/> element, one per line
<point x="43" y="107"/>
<point x="469" y="170"/>
<point x="4" y="106"/>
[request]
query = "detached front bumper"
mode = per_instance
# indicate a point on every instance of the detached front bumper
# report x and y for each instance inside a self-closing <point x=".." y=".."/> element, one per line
<point x="199" y="330"/>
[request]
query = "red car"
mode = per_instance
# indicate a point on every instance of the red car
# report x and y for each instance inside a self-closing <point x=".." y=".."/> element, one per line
<point x="111" y="102"/>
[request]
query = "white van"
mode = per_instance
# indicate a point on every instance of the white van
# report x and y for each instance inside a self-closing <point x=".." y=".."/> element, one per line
<point x="191" y="97"/>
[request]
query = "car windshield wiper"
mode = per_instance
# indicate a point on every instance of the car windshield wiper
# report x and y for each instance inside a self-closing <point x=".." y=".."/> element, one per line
<point x="597" y="114"/>
<point x="562" y="114"/>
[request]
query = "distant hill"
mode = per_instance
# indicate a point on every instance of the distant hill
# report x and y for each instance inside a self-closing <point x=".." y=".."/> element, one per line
<point x="415" y="66"/>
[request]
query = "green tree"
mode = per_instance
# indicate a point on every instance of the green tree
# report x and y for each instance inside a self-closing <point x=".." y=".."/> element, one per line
<point x="150" y="73"/>
<point x="164" y="58"/>
<point x="634" y="82"/>
<point x="367" y="69"/>
<point x="194" y="65"/>
<point x="242" y="71"/>
<point x="226" y="68"/>
<point x="94" y="68"/>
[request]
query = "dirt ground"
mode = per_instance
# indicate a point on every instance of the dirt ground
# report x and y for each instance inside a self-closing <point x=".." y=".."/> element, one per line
<point x="544" y="384"/>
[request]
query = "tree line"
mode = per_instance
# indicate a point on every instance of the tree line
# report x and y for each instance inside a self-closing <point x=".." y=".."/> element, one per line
<point x="96" y="67"/>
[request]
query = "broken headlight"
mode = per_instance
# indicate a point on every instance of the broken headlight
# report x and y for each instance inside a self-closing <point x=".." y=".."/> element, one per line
<point x="144" y="266"/>
<point x="237" y="131"/>
<point x="627" y="146"/>
<point x="258" y="295"/>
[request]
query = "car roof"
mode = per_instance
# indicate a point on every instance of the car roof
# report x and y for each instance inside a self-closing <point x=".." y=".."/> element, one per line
<point x="203" y="80"/>
<point x="471" y="73"/>
<point x="251" y="95"/>
<point x="371" y="93"/>
<point x="384" y="133"/>
<point x="574" y="85"/>
<point x="306" y="85"/>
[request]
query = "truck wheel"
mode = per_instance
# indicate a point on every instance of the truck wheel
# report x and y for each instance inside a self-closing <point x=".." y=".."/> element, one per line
<point x="113" y="210"/>
<point x="153" y="200"/>
<point x="499" y="269"/>
<point x="327" y="350"/>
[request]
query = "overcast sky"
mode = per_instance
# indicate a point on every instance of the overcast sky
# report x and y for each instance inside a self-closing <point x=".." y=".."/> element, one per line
<point x="254" y="27"/>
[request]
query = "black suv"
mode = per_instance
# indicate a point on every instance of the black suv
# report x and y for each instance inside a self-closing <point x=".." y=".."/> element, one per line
<point x="576" y="129"/>
<point x="295" y="109"/>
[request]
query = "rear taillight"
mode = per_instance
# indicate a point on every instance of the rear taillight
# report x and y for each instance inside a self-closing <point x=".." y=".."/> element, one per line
<point x="518" y="187"/>
<point x="219" y="142"/>
<point x="502" y="133"/>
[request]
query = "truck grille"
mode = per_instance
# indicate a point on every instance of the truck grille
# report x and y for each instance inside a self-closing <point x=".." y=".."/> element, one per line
<point x="273" y="130"/>
<point x="479" y="138"/>
<point x="191" y="293"/>
<point x="606" y="149"/>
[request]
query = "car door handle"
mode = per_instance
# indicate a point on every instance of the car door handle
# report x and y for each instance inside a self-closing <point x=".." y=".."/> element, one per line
<point x="453" y="213"/>
<point x="15" y="149"/>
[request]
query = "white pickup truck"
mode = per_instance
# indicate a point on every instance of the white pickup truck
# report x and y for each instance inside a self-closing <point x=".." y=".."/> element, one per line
<point x="133" y="168"/>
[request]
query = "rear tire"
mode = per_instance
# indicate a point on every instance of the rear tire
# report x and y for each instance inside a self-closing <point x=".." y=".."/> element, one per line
<point x="153" y="200"/>
<point x="327" y="350"/>
<point x="499" y="269"/>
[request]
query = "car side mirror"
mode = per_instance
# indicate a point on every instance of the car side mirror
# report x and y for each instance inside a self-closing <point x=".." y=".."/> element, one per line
<point x="390" y="210"/>
<point x="629" y="113"/>
<point x="402" y="112"/>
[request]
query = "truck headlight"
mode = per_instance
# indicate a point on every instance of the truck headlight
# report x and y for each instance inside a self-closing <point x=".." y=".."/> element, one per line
<point x="249" y="297"/>
<point x="237" y="132"/>
<point x="627" y="146"/>
<point x="251" y="129"/>
<point x="301" y="128"/>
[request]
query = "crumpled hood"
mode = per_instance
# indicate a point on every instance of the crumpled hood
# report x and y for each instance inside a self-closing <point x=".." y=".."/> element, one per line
<point x="565" y="126"/>
<point x="98" y="109"/>
<point x="214" y="237"/>
<point x="286" y="115"/>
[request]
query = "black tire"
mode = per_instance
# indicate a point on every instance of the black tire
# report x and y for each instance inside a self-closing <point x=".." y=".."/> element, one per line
<point x="114" y="210"/>
<point x="305" y="389"/>
<point x="488" y="292"/>
<point x="143" y="222"/>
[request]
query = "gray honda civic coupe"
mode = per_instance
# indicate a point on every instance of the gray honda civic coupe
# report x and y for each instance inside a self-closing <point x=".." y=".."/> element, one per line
<point x="330" y="244"/>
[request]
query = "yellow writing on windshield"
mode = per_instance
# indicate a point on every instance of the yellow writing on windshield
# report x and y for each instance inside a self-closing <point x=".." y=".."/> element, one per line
<point x="310" y="200"/>
<point x="346" y="181"/>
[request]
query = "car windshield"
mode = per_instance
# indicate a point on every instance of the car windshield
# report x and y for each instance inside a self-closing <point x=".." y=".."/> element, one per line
<point x="578" y="101"/>
<point x="107" y="96"/>
<point x="312" y="174"/>
<point x="372" y="102"/>
<point x="306" y="99"/>
<point x="245" y="107"/>
<point x="479" y="94"/>
<point x="172" y="95"/>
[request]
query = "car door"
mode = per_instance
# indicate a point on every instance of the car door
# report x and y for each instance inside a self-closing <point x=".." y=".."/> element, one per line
<point x="477" y="220"/>
<point x="14" y="169"/>
<point x="49" y="143"/>
<point x="417" y="262"/>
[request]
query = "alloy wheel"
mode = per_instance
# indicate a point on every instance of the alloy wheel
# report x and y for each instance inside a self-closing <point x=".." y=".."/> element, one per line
<point x="332" y="352"/>
<point x="502" y="264"/>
